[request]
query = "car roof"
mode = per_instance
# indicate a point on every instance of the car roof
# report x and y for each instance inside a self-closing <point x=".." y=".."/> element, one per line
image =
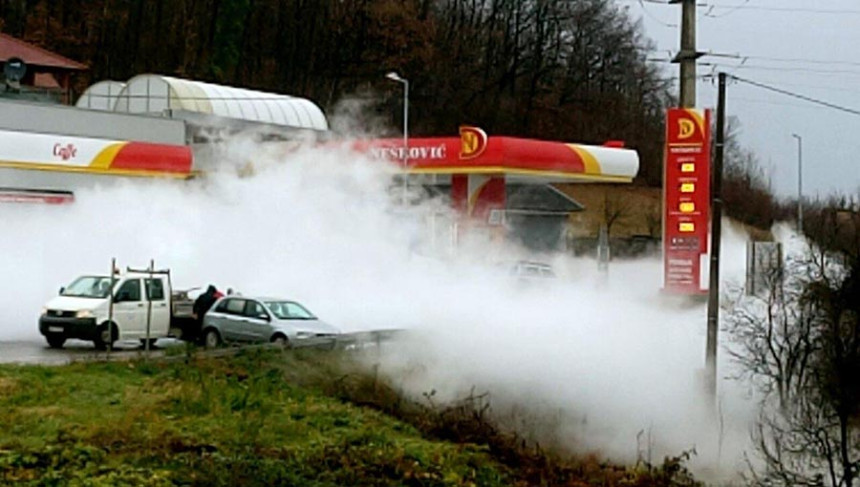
<point x="533" y="263"/>
<point x="257" y="298"/>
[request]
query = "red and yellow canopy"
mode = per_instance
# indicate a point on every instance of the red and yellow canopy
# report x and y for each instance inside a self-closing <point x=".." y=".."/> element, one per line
<point x="475" y="153"/>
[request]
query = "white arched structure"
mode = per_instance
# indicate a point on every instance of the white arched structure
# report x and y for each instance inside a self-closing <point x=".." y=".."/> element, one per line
<point x="101" y="96"/>
<point x="156" y="94"/>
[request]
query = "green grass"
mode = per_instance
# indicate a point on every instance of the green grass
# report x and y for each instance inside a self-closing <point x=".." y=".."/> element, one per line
<point x="266" y="417"/>
<point x="250" y="420"/>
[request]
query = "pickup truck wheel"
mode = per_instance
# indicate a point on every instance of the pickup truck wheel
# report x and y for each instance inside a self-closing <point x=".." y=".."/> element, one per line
<point x="56" y="341"/>
<point x="280" y="341"/>
<point x="105" y="336"/>
<point x="211" y="339"/>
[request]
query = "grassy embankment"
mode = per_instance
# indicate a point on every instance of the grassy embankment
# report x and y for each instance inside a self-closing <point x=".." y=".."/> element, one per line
<point x="262" y="418"/>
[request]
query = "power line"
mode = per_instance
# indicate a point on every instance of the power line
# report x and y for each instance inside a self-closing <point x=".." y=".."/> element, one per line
<point x="802" y="60"/>
<point x="810" y="85"/>
<point x="745" y="6"/>
<point x="774" y="59"/>
<point x="708" y="13"/>
<point x="799" y="96"/>
<point x="743" y="65"/>
<point x="772" y="102"/>
<point x="785" y="9"/>
<point x="784" y="69"/>
<point x="654" y="17"/>
<point x="744" y="58"/>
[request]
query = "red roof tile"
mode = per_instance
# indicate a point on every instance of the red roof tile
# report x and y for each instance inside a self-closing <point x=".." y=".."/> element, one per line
<point x="11" y="47"/>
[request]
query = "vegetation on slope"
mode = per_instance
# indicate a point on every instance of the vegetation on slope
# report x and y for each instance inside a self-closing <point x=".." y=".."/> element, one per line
<point x="261" y="418"/>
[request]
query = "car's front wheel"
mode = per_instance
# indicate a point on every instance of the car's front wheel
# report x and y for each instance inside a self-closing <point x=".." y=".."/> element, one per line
<point x="56" y="341"/>
<point x="106" y="336"/>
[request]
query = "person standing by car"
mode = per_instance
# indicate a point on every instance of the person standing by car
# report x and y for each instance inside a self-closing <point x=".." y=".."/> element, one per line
<point x="203" y="303"/>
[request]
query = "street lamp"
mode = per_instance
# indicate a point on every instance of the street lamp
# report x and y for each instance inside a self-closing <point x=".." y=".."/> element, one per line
<point x="393" y="76"/>
<point x="799" y="183"/>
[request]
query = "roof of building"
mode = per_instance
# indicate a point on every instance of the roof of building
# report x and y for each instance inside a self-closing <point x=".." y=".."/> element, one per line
<point x="151" y="93"/>
<point x="101" y="96"/>
<point x="11" y="47"/>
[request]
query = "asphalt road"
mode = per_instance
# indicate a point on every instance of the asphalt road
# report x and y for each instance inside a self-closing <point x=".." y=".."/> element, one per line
<point x="37" y="351"/>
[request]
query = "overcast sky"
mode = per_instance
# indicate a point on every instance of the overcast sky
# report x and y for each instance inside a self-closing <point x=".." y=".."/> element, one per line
<point x="821" y="38"/>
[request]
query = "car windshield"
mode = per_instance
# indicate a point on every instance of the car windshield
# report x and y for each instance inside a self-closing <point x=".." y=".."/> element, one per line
<point x="289" y="310"/>
<point x="88" y="287"/>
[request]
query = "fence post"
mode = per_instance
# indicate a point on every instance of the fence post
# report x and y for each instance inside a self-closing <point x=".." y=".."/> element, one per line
<point x="110" y="305"/>
<point x="147" y="286"/>
<point x="603" y="253"/>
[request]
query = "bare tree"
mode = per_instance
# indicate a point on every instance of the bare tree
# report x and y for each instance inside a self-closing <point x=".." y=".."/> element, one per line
<point x="654" y="221"/>
<point x="616" y="209"/>
<point x="799" y="342"/>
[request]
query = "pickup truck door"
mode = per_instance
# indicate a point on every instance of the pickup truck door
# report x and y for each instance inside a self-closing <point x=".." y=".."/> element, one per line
<point x="160" y="318"/>
<point x="129" y="312"/>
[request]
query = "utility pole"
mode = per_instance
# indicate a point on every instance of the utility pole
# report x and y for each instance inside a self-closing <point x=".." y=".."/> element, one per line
<point x="716" y="230"/>
<point x="393" y="76"/>
<point x="688" y="54"/>
<point x="799" y="183"/>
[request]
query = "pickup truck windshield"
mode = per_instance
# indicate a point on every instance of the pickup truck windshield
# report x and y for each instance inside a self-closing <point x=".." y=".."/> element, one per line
<point x="88" y="287"/>
<point x="288" y="310"/>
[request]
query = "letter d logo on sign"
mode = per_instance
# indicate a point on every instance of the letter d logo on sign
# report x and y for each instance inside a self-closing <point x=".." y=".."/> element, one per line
<point x="473" y="142"/>
<point x="686" y="128"/>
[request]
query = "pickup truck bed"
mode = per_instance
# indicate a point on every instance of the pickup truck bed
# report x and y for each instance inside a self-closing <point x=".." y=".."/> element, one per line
<point x="183" y="324"/>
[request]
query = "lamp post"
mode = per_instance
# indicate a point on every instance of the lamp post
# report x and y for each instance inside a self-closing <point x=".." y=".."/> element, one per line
<point x="393" y="76"/>
<point x="799" y="182"/>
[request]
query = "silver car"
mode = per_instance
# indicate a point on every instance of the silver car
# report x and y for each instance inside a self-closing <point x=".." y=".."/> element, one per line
<point x="527" y="270"/>
<point x="280" y="321"/>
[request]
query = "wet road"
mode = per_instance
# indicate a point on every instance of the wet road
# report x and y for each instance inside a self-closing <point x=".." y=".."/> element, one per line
<point x="35" y="351"/>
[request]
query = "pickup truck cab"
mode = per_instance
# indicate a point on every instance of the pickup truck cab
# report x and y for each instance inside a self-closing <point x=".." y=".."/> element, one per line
<point x="104" y="309"/>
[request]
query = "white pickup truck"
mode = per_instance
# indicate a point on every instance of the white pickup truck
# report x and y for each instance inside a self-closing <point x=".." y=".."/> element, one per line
<point x="104" y="309"/>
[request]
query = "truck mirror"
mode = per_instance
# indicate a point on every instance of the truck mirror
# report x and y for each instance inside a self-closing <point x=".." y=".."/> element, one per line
<point x="263" y="316"/>
<point x="62" y="290"/>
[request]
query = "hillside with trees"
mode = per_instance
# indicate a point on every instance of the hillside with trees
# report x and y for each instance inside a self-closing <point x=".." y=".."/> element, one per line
<point x="574" y="71"/>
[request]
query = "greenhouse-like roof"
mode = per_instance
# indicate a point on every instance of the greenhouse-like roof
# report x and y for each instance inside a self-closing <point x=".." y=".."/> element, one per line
<point x="101" y="96"/>
<point x="155" y="94"/>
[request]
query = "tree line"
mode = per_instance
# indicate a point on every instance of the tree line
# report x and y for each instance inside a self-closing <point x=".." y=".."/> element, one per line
<point x="573" y="70"/>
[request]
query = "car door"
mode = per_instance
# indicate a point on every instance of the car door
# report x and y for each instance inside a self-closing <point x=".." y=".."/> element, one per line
<point x="128" y="310"/>
<point x="160" y="315"/>
<point x="231" y="319"/>
<point x="258" y="325"/>
<point x="217" y="316"/>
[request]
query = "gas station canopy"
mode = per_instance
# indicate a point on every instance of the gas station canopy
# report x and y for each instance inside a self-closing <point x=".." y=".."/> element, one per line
<point x="515" y="158"/>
